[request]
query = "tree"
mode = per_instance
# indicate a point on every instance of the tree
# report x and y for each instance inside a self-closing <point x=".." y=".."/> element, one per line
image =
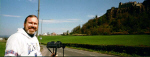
<point x="76" y="30"/>
<point x="67" y="32"/>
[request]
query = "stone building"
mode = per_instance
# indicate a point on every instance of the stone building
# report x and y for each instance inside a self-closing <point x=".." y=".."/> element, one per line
<point x="129" y="4"/>
<point x="53" y="34"/>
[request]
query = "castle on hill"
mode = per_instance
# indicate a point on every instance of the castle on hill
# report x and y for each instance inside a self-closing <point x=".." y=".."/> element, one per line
<point x="129" y="4"/>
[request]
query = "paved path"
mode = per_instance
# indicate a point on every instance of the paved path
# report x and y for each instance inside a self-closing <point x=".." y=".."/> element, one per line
<point x="71" y="52"/>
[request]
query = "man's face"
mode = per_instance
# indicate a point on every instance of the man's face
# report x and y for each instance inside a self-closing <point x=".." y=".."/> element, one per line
<point x="31" y="26"/>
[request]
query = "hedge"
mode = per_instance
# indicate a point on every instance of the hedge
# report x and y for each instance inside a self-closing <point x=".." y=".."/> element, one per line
<point x="139" y="50"/>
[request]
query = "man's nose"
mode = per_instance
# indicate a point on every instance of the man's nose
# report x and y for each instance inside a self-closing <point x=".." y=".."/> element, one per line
<point x="33" y="24"/>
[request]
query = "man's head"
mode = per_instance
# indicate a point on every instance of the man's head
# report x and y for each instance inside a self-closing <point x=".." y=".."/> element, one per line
<point x="31" y="24"/>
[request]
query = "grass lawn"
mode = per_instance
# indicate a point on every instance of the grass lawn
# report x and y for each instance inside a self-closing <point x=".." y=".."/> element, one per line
<point x="2" y="48"/>
<point x="127" y="40"/>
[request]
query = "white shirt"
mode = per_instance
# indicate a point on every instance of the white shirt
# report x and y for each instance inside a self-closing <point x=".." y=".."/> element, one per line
<point x="21" y="44"/>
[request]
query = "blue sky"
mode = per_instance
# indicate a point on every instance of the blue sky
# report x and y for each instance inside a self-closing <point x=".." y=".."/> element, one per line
<point x="58" y="15"/>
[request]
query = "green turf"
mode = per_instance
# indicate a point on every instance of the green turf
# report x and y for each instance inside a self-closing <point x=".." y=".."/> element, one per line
<point x="127" y="40"/>
<point x="2" y="48"/>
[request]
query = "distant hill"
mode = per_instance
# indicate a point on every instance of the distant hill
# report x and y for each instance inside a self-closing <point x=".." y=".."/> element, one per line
<point x="4" y="36"/>
<point x="128" y="18"/>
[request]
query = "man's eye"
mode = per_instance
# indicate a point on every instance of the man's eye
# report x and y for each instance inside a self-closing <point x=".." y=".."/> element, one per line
<point x="35" y="23"/>
<point x="30" y="23"/>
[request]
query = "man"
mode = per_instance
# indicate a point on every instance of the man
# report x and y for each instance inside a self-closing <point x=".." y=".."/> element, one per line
<point x="24" y="42"/>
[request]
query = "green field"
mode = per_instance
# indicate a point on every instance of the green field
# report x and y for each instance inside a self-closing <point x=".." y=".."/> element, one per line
<point x="2" y="48"/>
<point x="127" y="40"/>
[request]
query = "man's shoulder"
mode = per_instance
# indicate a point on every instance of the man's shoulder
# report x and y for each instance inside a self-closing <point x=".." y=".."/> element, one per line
<point x="15" y="36"/>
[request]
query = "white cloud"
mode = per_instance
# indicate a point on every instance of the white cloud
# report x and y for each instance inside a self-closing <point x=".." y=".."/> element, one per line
<point x="33" y="0"/>
<point x="58" y="30"/>
<point x="73" y="19"/>
<point x="11" y="16"/>
<point x="55" y="21"/>
<point x="61" y="20"/>
<point x="30" y="0"/>
<point x="55" y="29"/>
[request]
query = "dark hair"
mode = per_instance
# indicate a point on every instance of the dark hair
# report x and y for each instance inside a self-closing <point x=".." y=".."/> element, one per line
<point x="30" y="16"/>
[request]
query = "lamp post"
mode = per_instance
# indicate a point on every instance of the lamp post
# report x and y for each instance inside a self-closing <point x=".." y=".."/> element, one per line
<point x="41" y="27"/>
<point x="42" y="22"/>
<point x="38" y="15"/>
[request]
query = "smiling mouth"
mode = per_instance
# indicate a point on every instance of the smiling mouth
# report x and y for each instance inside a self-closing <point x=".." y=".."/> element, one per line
<point x="31" y="29"/>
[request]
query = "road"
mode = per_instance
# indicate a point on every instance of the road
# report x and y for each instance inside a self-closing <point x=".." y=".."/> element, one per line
<point x="71" y="52"/>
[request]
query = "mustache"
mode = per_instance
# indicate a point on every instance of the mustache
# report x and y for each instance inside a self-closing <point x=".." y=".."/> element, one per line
<point x="32" y="27"/>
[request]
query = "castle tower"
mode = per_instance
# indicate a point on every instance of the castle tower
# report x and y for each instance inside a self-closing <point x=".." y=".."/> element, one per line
<point x="135" y="2"/>
<point x="120" y="4"/>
